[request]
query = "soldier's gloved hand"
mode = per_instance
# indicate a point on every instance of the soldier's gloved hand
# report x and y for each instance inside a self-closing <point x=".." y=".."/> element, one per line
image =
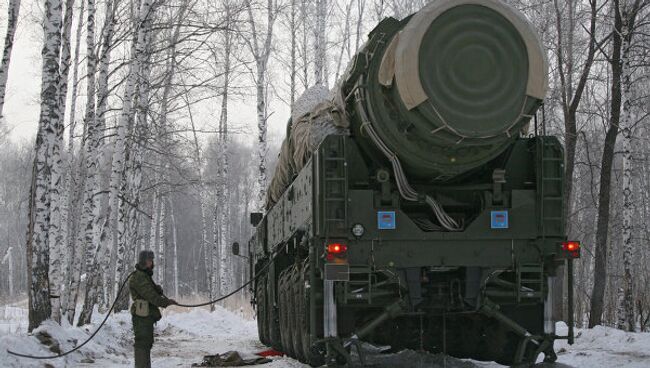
<point x="159" y="289"/>
<point x="173" y="302"/>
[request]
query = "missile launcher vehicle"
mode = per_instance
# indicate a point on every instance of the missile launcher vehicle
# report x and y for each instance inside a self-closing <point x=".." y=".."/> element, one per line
<point x="421" y="204"/>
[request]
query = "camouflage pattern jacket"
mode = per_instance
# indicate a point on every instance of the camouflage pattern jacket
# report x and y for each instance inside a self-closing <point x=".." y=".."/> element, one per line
<point x="142" y="287"/>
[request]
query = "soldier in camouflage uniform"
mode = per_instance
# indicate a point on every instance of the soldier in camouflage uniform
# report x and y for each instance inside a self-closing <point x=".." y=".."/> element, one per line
<point x="147" y="296"/>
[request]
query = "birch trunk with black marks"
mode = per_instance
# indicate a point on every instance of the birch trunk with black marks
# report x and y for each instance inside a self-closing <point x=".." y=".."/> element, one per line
<point x="108" y="236"/>
<point x="130" y="178"/>
<point x="304" y="16"/>
<point x="161" y="261"/>
<point x="293" y="62"/>
<point x="215" y="276"/>
<point x="91" y="203"/>
<point x="155" y="219"/>
<point x="37" y="250"/>
<point x="13" y="10"/>
<point x="627" y="17"/>
<point x="56" y="229"/>
<point x="224" y="190"/>
<point x="205" y="247"/>
<point x="9" y="260"/>
<point x="175" y="249"/>
<point x="260" y="46"/>
<point x="320" y="44"/>
<point x="71" y="192"/>
<point x="625" y="312"/>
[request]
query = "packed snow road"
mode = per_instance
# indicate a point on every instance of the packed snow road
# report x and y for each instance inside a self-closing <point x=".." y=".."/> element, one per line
<point x="184" y="338"/>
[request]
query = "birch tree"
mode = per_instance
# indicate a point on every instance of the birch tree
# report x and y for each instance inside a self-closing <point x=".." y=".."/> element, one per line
<point x="320" y="44"/>
<point x="161" y="242"/>
<point x="174" y="249"/>
<point x="215" y="276"/>
<point x="9" y="260"/>
<point x="39" y="216"/>
<point x="88" y="233"/>
<point x="57" y="236"/>
<point x="69" y="199"/>
<point x="305" y="19"/>
<point x="625" y="13"/>
<point x="626" y="320"/>
<point x="128" y="180"/>
<point x="259" y="44"/>
<point x="293" y="30"/>
<point x="567" y="61"/>
<point x="108" y="226"/>
<point x="224" y="190"/>
<point x="205" y="247"/>
<point x="13" y="11"/>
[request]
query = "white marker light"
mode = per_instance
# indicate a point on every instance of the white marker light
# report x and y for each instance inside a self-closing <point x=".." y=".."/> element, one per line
<point x="358" y="230"/>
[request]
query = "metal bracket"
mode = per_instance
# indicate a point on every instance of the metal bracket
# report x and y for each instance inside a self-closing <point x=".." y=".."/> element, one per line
<point x="498" y="179"/>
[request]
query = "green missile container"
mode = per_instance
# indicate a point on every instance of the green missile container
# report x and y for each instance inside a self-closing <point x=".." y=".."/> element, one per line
<point x="450" y="88"/>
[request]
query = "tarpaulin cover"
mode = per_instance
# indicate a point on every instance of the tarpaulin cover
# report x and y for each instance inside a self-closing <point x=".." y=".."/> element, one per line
<point x="315" y="116"/>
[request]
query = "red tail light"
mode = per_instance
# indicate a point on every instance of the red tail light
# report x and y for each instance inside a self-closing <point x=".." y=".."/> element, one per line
<point x="571" y="248"/>
<point x="336" y="250"/>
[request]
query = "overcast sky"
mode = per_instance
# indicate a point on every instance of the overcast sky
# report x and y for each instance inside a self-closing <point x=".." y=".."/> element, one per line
<point x="22" y="99"/>
<point x="21" y="105"/>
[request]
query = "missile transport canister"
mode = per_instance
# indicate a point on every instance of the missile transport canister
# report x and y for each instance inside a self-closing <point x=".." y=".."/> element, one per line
<point x="454" y="86"/>
<point x="415" y="206"/>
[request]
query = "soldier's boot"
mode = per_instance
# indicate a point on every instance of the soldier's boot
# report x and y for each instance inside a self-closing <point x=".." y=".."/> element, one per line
<point x="142" y="358"/>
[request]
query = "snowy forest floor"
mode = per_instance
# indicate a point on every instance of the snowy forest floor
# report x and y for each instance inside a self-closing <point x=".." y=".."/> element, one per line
<point x="184" y="337"/>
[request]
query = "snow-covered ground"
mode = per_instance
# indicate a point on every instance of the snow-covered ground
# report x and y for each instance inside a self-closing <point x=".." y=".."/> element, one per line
<point x="184" y="337"/>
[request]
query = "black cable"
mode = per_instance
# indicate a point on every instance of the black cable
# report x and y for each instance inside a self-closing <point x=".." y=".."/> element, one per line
<point x="259" y="274"/>
<point x="108" y="314"/>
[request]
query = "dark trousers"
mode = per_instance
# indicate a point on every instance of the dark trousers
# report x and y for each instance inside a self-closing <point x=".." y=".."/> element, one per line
<point x="143" y="340"/>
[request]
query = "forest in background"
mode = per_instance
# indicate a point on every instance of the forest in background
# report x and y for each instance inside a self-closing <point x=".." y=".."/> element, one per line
<point x="141" y="144"/>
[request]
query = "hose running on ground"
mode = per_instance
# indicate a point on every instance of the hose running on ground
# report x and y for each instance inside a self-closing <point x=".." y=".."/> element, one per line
<point x="259" y="273"/>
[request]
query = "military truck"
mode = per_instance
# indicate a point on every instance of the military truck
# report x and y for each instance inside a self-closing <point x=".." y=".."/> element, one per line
<point x="421" y="205"/>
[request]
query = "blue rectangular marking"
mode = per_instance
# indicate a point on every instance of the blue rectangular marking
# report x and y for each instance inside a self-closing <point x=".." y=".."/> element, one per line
<point x="499" y="219"/>
<point x="386" y="220"/>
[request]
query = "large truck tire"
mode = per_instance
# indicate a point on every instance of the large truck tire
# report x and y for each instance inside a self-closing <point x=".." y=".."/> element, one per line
<point x="261" y="312"/>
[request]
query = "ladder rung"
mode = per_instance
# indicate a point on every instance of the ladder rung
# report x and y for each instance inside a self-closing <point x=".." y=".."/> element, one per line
<point x="552" y="178"/>
<point x="531" y="281"/>
<point x="531" y="268"/>
<point x="552" y="198"/>
<point x="533" y="271"/>
<point x="530" y="294"/>
<point x="334" y="199"/>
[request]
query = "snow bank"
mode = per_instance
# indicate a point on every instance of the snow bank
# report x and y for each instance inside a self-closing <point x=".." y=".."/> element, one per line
<point x="604" y="347"/>
<point x="183" y="338"/>
<point x="201" y="322"/>
<point x="51" y="338"/>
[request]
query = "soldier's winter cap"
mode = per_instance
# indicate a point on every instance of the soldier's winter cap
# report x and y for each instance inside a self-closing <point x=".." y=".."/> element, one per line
<point x="144" y="255"/>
